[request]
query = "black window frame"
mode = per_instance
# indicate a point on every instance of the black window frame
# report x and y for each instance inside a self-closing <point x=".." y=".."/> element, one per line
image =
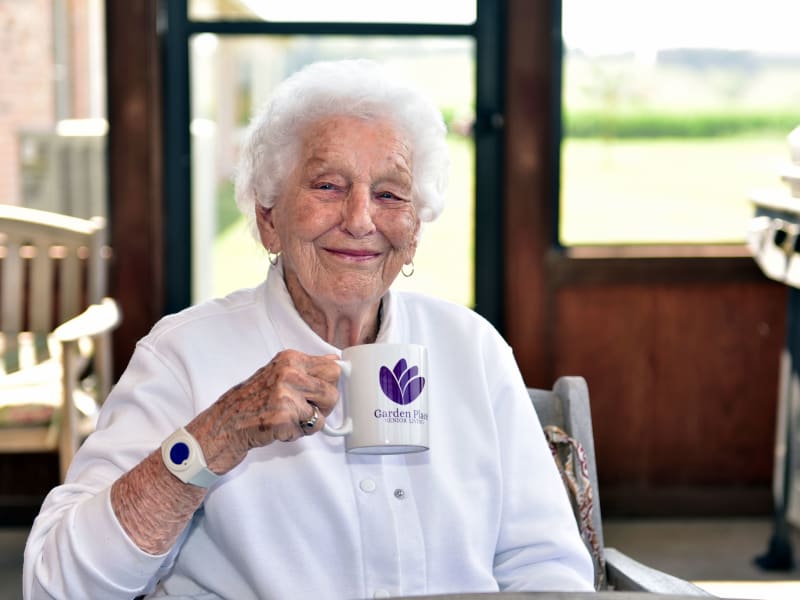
<point x="175" y="31"/>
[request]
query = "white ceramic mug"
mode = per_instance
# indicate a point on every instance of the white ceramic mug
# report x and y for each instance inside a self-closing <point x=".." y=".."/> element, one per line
<point x="385" y="399"/>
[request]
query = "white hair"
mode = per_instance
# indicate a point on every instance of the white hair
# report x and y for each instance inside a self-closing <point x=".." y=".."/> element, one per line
<point x="358" y="88"/>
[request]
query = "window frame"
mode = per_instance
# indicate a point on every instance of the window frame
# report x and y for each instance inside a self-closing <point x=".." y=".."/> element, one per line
<point x="628" y="263"/>
<point x="175" y="31"/>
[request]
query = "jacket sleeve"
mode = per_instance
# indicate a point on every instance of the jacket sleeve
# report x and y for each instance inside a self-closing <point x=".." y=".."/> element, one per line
<point x="539" y="546"/>
<point x="76" y="547"/>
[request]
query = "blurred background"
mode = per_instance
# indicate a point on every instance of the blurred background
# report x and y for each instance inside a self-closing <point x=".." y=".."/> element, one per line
<point x="604" y="161"/>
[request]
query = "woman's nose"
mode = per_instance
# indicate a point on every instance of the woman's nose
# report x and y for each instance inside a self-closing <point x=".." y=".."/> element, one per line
<point x="357" y="212"/>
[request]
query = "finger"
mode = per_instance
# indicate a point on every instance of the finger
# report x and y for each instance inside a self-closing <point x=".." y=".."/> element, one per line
<point x="292" y="366"/>
<point x="313" y="422"/>
<point x="323" y="397"/>
<point x="295" y="357"/>
<point x="303" y="388"/>
<point x="288" y="433"/>
<point x="324" y="367"/>
<point x="326" y="395"/>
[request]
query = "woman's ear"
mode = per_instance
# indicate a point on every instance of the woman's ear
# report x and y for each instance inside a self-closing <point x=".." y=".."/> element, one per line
<point x="266" y="229"/>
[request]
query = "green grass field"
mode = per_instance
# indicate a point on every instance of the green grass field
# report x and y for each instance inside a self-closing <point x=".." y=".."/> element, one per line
<point x="613" y="192"/>
<point x="690" y="190"/>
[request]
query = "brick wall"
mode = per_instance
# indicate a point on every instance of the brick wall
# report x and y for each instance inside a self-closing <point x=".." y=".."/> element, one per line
<point x="26" y="81"/>
<point x="28" y="75"/>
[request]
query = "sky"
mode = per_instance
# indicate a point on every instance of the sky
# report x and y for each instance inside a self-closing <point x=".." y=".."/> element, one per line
<point x="605" y="26"/>
<point x="594" y="26"/>
<point x="425" y="11"/>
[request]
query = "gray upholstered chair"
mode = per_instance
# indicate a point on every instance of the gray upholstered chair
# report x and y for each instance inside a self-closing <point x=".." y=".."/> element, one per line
<point x="566" y="418"/>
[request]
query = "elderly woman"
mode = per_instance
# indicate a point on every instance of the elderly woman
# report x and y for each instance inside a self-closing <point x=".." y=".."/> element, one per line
<point x="338" y="174"/>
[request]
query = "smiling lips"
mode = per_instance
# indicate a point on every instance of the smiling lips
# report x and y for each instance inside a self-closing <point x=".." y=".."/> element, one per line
<point x="356" y="255"/>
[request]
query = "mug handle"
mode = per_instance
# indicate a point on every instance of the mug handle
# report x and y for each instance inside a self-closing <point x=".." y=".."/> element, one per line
<point x="347" y="425"/>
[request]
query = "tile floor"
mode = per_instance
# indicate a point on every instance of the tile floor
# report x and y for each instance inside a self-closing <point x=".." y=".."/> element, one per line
<point x="12" y="543"/>
<point x="716" y="554"/>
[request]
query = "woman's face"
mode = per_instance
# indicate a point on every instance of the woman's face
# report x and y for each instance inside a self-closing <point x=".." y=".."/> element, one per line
<point x="345" y="222"/>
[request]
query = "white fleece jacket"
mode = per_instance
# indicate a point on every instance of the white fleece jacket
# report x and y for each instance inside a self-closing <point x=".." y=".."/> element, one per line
<point x="482" y="510"/>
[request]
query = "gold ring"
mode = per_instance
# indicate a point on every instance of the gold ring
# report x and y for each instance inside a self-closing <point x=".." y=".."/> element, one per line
<point x="308" y="424"/>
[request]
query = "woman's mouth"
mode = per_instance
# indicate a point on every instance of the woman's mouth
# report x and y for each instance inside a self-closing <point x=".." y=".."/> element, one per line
<point x="355" y="255"/>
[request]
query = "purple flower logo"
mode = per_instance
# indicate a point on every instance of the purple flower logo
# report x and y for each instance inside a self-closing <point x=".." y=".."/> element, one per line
<point x="401" y="385"/>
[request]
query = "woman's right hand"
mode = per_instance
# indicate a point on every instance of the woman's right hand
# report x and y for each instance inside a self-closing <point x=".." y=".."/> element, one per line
<point x="268" y="406"/>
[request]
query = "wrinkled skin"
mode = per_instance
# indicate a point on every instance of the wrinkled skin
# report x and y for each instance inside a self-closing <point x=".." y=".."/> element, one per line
<point x="345" y="225"/>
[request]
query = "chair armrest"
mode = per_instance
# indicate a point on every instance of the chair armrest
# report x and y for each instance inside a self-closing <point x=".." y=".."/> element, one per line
<point x="96" y="319"/>
<point x="626" y="574"/>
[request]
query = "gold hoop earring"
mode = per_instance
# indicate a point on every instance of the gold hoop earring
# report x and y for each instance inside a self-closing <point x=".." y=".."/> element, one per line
<point x="409" y="273"/>
<point x="273" y="257"/>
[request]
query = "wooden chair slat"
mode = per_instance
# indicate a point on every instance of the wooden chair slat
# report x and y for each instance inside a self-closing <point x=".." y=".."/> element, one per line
<point x="41" y="287"/>
<point x="53" y="300"/>
<point x="71" y="302"/>
<point x="97" y="272"/>
<point x="12" y="291"/>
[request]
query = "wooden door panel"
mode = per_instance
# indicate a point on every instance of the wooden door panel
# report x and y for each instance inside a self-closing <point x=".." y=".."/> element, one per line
<point x="683" y="380"/>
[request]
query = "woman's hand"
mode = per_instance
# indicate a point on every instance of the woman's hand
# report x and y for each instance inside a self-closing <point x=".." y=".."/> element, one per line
<point x="268" y="406"/>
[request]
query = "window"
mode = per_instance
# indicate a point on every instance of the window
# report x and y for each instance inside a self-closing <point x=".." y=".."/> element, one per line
<point x="673" y="112"/>
<point x="224" y="56"/>
<point x="52" y="107"/>
<point x="232" y="76"/>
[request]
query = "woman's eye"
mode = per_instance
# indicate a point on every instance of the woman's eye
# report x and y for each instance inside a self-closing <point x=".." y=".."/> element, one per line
<point x="325" y="186"/>
<point x="386" y="195"/>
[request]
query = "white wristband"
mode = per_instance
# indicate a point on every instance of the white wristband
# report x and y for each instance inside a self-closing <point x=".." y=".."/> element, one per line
<point x="183" y="456"/>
